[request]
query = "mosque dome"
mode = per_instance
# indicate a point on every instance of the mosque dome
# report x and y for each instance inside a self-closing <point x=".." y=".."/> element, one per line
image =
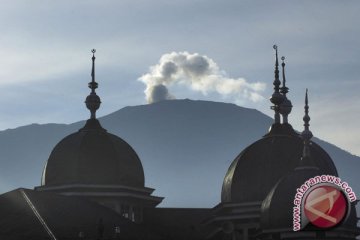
<point x="259" y="167"/>
<point x="255" y="171"/>
<point x="92" y="155"/>
<point x="277" y="208"/>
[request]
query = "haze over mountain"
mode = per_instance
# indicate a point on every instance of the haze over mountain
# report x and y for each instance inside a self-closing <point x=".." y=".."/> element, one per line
<point x="185" y="147"/>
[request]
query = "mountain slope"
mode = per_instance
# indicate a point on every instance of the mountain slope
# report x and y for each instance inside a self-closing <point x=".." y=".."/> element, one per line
<point x="185" y="147"/>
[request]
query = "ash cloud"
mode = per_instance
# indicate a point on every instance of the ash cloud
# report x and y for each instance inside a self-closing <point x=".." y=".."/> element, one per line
<point x="158" y="93"/>
<point x="200" y="73"/>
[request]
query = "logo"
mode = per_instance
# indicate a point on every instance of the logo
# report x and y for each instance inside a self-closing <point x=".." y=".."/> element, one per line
<point x="323" y="201"/>
<point x="325" y="206"/>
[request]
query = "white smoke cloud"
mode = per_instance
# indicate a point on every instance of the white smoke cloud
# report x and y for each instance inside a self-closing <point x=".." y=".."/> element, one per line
<point x="198" y="72"/>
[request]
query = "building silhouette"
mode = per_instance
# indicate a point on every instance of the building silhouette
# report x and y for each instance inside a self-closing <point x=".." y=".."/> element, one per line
<point x="93" y="187"/>
<point x="98" y="166"/>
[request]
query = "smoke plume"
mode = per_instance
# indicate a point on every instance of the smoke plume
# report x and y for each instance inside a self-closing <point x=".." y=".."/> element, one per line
<point x="198" y="72"/>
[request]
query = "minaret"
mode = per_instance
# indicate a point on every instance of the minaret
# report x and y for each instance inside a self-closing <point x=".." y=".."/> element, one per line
<point x="306" y="135"/>
<point x="285" y="106"/>
<point x="277" y="98"/>
<point x="93" y="101"/>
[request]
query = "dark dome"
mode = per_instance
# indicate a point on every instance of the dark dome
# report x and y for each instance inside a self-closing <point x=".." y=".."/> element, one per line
<point x="260" y="166"/>
<point x="277" y="208"/>
<point x="93" y="156"/>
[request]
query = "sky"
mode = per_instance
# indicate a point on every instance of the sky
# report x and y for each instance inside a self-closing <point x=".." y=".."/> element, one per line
<point x="45" y="61"/>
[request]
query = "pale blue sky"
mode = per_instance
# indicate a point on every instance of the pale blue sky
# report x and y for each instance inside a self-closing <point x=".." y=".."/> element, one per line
<point x="45" y="55"/>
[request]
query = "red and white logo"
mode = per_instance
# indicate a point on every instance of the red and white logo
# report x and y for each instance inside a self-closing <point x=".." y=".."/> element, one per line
<point x="322" y="200"/>
<point x="325" y="206"/>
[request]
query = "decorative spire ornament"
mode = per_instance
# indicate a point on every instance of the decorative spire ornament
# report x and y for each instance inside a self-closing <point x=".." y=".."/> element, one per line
<point x="284" y="90"/>
<point x="306" y="135"/>
<point x="285" y="106"/>
<point x="93" y="101"/>
<point x="276" y="98"/>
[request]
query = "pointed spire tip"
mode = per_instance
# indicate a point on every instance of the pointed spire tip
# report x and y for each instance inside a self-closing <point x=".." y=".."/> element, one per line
<point x="93" y="100"/>
<point x="284" y="89"/>
<point x="276" y="97"/>
<point x="306" y="136"/>
<point x="306" y="133"/>
<point x="286" y="105"/>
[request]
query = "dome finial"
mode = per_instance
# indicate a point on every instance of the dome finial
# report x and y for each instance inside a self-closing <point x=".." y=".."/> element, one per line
<point x="284" y="90"/>
<point x="286" y="106"/>
<point x="306" y="135"/>
<point x="276" y="97"/>
<point x="93" y="100"/>
<point x="93" y="85"/>
<point x="306" y="117"/>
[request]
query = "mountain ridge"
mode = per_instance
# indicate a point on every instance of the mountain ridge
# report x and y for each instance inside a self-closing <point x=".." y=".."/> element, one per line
<point x="185" y="147"/>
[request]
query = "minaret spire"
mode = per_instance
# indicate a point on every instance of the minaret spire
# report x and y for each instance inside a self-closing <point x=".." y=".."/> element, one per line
<point x="285" y="106"/>
<point x="276" y="97"/>
<point x="306" y="135"/>
<point x="93" y="85"/>
<point x="284" y="89"/>
<point x="93" y="101"/>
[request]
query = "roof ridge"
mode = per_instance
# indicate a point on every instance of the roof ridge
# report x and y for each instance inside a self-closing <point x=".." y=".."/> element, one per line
<point x="37" y="214"/>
